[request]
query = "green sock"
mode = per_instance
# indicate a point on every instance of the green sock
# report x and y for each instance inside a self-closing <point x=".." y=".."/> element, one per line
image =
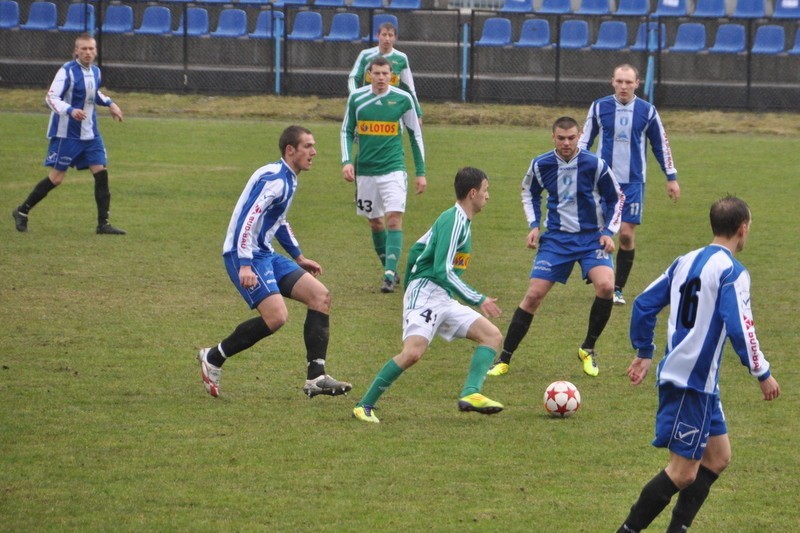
<point x="379" y="242"/>
<point x="387" y="375"/>
<point x="394" y="245"/>
<point x="481" y="361"/>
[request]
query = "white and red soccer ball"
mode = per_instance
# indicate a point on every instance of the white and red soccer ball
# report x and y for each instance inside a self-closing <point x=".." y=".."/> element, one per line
<point x="562" y="399"/>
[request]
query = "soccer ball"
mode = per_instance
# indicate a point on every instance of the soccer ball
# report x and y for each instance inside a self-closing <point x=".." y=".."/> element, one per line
<point x="562" y="399"/>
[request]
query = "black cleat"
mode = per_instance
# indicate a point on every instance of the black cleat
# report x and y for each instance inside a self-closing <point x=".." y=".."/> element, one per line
<point x="20" y="220"/>
<point x="388" y="285"/>
<point x="108" y="229"/>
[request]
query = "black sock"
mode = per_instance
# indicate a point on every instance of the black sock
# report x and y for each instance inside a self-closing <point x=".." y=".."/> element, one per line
<point x="652" y="500"/>
<point x="316" y="332"/>
<point x="520" y="324"/>
<point x="102" y="195"/>
<point x="243" y="337"/>
<point x="624" y="266"/>
<point x="598" y="318"/>
<point x="691" y="499"/>
<point x="37" y="195"/>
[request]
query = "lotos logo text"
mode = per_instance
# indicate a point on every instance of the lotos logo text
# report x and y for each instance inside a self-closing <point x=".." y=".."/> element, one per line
<point x="377" y="127"/>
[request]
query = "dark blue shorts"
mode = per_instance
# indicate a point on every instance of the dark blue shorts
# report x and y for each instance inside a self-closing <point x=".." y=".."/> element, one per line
<point x="65" y="153"/>
<point x="685" y="420"/>
<point x="270" y="269"/>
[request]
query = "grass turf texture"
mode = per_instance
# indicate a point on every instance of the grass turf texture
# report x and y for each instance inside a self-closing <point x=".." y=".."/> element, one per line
<point x="105" y="423"/>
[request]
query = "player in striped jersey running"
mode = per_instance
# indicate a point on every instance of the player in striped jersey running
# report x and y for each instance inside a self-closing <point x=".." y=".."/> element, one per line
<point x="624" y="124"/>
<point x="378" y="114"/>
<point x="584" y="206"/>
<point x="708" y="294"/>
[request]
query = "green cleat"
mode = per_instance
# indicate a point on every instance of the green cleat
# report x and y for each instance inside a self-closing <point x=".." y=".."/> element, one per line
<point x="498" y="369"/>
<point x="480" y="404"/>
<point x="365" y="413"/>
<point x="589" y="364"/>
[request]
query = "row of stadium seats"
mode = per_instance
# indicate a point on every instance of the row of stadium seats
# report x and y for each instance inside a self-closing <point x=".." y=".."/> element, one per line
<point x="789" y="9"/>
<point x="157" y="20"/>
<point x="613" y="35"/>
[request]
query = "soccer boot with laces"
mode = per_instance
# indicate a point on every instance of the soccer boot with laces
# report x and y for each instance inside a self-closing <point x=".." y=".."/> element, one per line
<point x="20" y="220"/>
<point x="390" y="281"/>
<point x="589" y="364"/>
<point x="619" y="299"/>
<point x="480" y="404"/>
<point x="211" y="373"/>
<point x="108" y="229"/>
<point x="498" y="369"/>
<point x="365" y="413"/>
<point x="326" y="385"/>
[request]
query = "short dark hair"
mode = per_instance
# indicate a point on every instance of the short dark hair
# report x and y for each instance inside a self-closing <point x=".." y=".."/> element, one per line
<point x="727" y="215"/>
<point x="468" y="178"/>
<point x="565" y="123"/>
<point x="378" y="62"/>
<point x="626" y="66"/>
<point x="85" y="36"/>
<point x="291" y="137"/>
<point x="388" y="26"/>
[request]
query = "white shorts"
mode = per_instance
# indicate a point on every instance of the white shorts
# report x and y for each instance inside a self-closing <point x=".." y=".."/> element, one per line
<point x="430" y="311"/>
<point x="378" y="195"/>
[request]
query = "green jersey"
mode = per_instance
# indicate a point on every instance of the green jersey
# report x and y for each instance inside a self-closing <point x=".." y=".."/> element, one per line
<point x="442" y="255"/>
<point x="379" y="120"/>
<point x="401" y="72"/>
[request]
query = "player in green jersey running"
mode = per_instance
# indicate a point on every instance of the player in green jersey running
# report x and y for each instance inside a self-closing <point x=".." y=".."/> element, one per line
<point x="433" y="277"/>
<point x="378" y="114"/>
<point x="401" y="69"/>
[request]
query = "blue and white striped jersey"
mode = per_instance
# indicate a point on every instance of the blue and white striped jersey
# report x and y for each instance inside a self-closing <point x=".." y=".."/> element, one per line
<point x="75" y="87"/>
<point x="583" y="194"/>
<point x="708" y="293"/>
<point x="260" y="214"/>
<point x="624" y="130"/>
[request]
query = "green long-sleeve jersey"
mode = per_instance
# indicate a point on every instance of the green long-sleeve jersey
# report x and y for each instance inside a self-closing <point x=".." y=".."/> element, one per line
<point x="379" y="120"/>
<point x="401" y="72"/>
<point x="443" y="254"/>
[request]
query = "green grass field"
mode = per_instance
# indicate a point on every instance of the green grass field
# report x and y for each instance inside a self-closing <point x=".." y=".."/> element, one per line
<point x="106" y="425"/>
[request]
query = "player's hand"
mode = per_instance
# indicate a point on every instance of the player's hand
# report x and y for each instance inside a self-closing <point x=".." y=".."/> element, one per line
<point x="421" y="184"/>
<point x="673" y="190"/>
<point x="247" y="278"/>
<point x="533" y="239"/>
<point x="770" y="388"/>
<point x="78" y="114"/>
<point x="607" y="243"/>
<point x="310" y="266"/>
<point x="489" y="308"/>
<point x="349" y="172"/>
<point x="638" y="369"/>
<point x="116" y="112"/>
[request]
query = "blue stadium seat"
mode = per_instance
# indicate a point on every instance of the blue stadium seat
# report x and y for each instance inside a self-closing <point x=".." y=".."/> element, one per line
<point x="574" y="34"/>
<point x="749" y="9"/>
<point x="405" y="4"/>
<point x="690" y="38"/>
<point x="231" y="23"/>
<point x="612" y="35"/>
<point x="633" y="7"/>
<point x="268" y="25"/>
<point x="118" y="19"/>
<point x="77" y="18"/>
<point x="307" y="27"/>
<point x="643" y="37"/>
<point x="795" y="50"/>
<point x="786" y="9"/>
<point x="367" y="4"/>
<point x="730" y="39"/>
<point x="9" y="14"/>
<point x="156" y="20"/>
<point x="42" y="16"/>
<point x="555" y="7"/>
<point x="535" y="33"/>
<point x="670" y="8"/>
<point x="517" y="6"/>
<point x="594" y="7"/>
<point x="709" y="9"/>
<point x="344" y="27"/>
<point x="769" y="39"/>
<point x="253" y="2"/>
<point x="282" y="3"/>
<point x="328" y="3"/>
<point x="196" y="22"/>
<point x="382" y="18"/>
<point x="496" y="32"/>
